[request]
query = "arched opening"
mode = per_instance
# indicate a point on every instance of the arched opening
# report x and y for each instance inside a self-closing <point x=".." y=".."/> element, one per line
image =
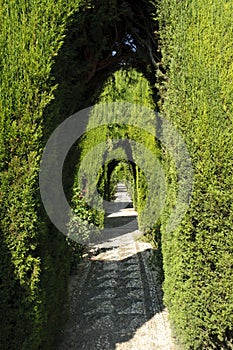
<point x="117" y="170"/>
<point x="101" y="38"/>
<point x="119" y="57"/>
<point x="123" y="47"/>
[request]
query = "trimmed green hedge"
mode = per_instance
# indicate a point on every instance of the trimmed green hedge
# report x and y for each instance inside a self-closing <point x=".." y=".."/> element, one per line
<point x="196" y="95"/>
<point x="34" y="261"/>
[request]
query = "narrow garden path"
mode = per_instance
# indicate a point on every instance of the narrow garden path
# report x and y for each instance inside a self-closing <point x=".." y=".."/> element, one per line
<point x="116" y="297"/>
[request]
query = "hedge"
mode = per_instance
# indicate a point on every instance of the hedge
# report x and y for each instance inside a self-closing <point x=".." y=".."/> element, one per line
<point x="42" y="44"/>
<point x="34" y="262"/>
<point x="196" y="94"/>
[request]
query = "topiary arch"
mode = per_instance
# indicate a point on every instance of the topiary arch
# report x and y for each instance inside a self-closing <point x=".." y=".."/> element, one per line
<point x="56" y="58"/>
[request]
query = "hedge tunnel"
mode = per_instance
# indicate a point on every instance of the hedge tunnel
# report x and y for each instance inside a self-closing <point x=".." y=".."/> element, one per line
<point x="59" y="58"/>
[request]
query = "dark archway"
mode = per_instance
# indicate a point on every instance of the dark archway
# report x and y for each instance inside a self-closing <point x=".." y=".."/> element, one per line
<point x="107" y="172"/>
<point x="102" y="37"/>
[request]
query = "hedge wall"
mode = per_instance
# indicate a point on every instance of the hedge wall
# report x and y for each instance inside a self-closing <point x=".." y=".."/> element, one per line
<point x="196" y="94"/>
<point x="33" y="265"/>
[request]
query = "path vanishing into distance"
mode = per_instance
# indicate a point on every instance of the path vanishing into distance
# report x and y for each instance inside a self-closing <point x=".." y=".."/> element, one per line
<point x="115" y="296"/>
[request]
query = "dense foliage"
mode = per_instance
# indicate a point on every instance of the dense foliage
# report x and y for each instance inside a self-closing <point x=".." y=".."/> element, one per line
<point x="33" y="262"/>
<point x="57" y="58"/>
<point x="196" y="95"/>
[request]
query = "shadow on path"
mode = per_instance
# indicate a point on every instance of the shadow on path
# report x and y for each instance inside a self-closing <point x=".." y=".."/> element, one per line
<point x="115" y="297"/>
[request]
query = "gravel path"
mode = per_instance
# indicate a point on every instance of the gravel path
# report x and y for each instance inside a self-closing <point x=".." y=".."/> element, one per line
<point x="115" y="297"/>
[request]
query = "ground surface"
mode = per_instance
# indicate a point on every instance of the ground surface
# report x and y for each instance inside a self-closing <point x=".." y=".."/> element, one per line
<point x="115" y="297"/>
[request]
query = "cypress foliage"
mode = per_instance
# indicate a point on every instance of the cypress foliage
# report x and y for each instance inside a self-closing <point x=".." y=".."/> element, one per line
<point x="32" y="267"/>
<point x="196" y="95"/>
